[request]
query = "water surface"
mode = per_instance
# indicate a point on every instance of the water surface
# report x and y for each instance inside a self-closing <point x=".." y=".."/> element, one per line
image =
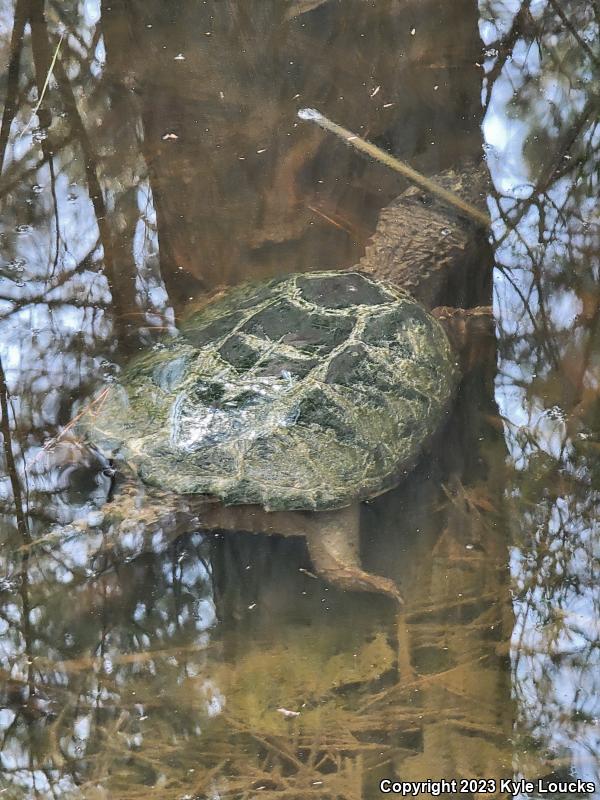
<point x="163" y="158"/>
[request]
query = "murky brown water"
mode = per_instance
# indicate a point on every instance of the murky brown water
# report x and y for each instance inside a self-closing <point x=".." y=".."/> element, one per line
<point x="165" y="159"/>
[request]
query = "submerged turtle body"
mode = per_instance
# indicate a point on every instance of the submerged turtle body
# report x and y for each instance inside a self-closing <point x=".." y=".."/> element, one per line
<point x="307" y="392"/>
<point x="280" y="405"/>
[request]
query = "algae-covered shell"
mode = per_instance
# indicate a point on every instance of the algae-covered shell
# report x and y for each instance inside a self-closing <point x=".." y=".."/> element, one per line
<point x="304" y="392"/>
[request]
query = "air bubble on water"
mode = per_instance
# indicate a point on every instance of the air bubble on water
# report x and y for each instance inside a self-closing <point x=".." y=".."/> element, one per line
<point x="521" y="191"/>
<point x="556" y="413"/>
<point x="37" y="189"/>
<point x="39" y="134"/>
<point x="108" y="371"/>
<point x="15" y="265"/>
<point x="23" y="228"/>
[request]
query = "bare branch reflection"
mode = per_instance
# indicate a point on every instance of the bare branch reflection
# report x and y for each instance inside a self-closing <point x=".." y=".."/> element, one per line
<point x="543" y="137"/>
<point x="164" y="161"/>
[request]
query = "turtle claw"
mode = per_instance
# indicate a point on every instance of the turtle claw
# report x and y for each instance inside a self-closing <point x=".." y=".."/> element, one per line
<point x="333" y="544"/>
<point x="353" y="579"/>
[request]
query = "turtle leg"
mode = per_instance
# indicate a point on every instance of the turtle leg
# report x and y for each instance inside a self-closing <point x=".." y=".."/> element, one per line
<point x="332" y="538"/>
<point x="333" y="546"/>
<point x="471" y="333"/>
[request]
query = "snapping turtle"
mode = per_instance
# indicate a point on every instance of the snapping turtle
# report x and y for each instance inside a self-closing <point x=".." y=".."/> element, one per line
<point x="282" y="404"/>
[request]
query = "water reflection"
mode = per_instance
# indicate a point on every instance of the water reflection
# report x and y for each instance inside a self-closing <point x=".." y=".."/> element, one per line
<point x="541" y="126"/>
<point x="154" y="169"/>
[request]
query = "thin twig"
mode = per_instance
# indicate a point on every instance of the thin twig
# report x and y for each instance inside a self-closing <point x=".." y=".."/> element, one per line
<point x="97" y="401"/>
<point x="44" y="88"/>
<point x="408" y="172"/>
<point x="574" y="33"/>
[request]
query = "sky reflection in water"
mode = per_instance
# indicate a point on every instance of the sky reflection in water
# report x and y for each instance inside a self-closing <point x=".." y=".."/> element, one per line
<point x="155" y="172"/>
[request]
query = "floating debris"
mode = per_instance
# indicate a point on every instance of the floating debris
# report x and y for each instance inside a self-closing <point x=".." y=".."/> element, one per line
<point x="287" y="713"/>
